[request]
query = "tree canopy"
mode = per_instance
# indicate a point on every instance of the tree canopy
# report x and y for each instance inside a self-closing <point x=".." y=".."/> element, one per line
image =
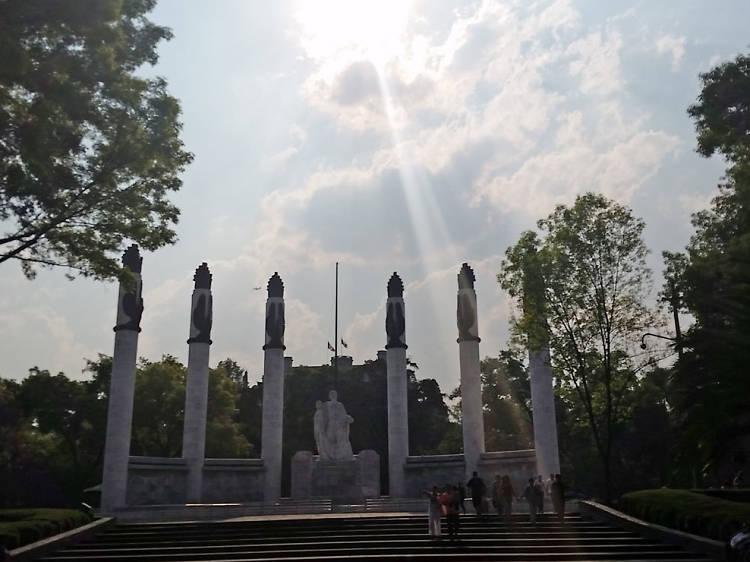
<point x="709" y="383"/>
<point x="582" y="286"/>
<point x="89" y="150"/>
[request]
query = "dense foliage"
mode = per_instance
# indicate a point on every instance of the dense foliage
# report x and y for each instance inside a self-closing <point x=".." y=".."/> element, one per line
<point x="23" y="526"/>
<point x="52" y="428"/>
<point x="89" y="149"/>
<point x="689" y="511"/>
<point x="582" y="285"/>
<point x="709" y="384"/>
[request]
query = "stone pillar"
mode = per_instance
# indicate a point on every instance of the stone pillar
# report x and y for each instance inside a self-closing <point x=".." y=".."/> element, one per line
<point x="534" y="304"/>
<point x="398" y="413"/>
<point x="273" y="389"/>
<point x="472" y="421"/>
<point x="122" y="387"/>
<point x="543" y="413"/>
<point x="196" y="388"/>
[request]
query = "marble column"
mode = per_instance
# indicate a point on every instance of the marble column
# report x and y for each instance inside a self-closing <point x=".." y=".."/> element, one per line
<point x="196" y="389"/>
<point x="472" y="422"/>
<point x="543" y="413"/>
<point x="273" y="389"/>
<point x="122" y="386"/>
<point x="398" y="414"/>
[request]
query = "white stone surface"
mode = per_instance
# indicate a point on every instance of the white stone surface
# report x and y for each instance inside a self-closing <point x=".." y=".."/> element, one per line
<point x="273" y="418"/>
<point x="120" y="409"/>
<point x="543" y="409"/>
<point x="119" y="421"/>
<point x="194" y="428"/>
<point x="331" y="426"/>
<point x="472" y="422"/>
<point x="398" y="420"/>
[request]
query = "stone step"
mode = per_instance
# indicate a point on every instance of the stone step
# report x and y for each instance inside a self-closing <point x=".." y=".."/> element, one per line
<point x="369" y="538"/>
<point x="505" y="538"/>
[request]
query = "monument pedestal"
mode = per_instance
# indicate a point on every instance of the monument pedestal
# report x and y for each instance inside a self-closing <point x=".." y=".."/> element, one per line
<point x="345" y="481"/>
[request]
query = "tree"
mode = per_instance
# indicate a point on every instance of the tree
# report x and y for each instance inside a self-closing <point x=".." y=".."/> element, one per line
<point x="590" y="260"/>
<point x="224" y="438"/>
<point x="709" y="382"/>
<point x="506" y="397"/>
<point x="722" y="113"/>
<point x="89" y="151"/>
<point x="158" y="408"/>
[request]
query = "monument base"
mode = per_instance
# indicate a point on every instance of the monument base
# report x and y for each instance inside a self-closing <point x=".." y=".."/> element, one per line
<point x="342" y="481"/>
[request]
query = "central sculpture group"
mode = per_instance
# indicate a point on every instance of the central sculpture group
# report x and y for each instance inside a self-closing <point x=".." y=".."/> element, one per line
<point x="331" y="426"/>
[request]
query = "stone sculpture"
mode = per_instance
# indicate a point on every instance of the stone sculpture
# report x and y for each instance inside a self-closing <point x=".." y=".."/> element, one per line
<point x="331" y="426"/>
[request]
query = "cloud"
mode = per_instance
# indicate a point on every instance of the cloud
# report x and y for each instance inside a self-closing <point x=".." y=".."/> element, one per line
<point x="597" y="62"/>
<point x="673" y="46"/>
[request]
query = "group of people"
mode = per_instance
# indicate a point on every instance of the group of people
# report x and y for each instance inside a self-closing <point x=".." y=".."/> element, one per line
<point x="449" y="502"/>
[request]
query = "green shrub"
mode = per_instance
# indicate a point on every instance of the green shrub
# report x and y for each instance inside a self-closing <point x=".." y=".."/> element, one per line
<point x="688" y="511"/>
<point x="23" y="526"/>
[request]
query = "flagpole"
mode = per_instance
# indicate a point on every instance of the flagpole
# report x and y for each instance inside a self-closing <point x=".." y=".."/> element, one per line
<point x="336" y="333"/>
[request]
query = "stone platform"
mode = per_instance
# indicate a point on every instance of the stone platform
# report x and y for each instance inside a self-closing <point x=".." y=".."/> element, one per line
<point x="342" y="481"/>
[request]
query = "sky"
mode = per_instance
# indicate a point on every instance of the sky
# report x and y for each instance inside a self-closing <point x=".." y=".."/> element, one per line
<point x="391" y="136"/>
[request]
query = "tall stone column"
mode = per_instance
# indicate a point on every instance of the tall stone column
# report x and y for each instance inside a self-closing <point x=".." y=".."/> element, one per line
<point x="273" y="389"/>
<point x="196" y="390"/>
<point x="122" y="387"/>
<point x="398" y="414"/>
<point x="543" y="410"/>
<point x="472" y="421"/>
<point x="540" y="371"/>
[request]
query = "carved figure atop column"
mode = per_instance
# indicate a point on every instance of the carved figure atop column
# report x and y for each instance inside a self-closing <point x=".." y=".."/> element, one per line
<point x="395" y="325"/>
<point x="466" y="310"/>
<point x="275" y="324"/>
<point x="130" y="304"/>
<point x="201" y="317"/>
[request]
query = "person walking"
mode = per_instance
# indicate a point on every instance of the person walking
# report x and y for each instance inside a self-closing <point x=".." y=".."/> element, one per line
<point x="497" y="495"/>
<point x="434" y="512"/>
<point x="477" y="488"/>
<point x="449" y="501"/>
<point x="539" y="489"/>
<point x="558" y="497"/>
<point x="530" y="495"/>
<point x="507" y="494"/>
<point x="461" y="497"/>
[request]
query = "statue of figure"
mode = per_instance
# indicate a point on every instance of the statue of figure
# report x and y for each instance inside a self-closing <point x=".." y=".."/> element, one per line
<point x="320" y="421"/>
<point x="331" y="426"/>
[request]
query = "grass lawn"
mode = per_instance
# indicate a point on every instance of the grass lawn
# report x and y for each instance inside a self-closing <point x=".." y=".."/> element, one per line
<point x="23" y="526"/>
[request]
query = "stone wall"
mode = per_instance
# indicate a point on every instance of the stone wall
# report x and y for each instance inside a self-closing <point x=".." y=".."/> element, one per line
<point x="518" y="465"/>
<point x="155" y="481"/>
<point x="233" y="480"/>
<point x="422" y="473"/>
<point x="163" y="481"/>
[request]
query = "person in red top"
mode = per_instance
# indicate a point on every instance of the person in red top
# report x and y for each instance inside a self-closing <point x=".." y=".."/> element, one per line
<point x="450" y="502"/>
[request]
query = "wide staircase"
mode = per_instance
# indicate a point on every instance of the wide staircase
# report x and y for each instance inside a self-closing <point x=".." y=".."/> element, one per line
<point x="402" y="537"/>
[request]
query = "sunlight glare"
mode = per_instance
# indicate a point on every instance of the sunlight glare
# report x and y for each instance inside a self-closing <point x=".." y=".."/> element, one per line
<point x="370" y="29"/>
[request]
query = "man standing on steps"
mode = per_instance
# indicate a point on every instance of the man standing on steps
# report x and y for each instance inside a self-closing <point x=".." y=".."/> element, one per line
<point x="478" y="489"/>
<point x="449" y="502"/>
<point x="530" y="495"/>
<point x="558" y="497"/>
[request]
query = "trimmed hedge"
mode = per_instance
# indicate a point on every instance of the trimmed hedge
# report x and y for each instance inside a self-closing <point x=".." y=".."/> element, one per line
<point x="23" y="526"/>
<point x="688" y="511"/>
<point x="731" y="494"/>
